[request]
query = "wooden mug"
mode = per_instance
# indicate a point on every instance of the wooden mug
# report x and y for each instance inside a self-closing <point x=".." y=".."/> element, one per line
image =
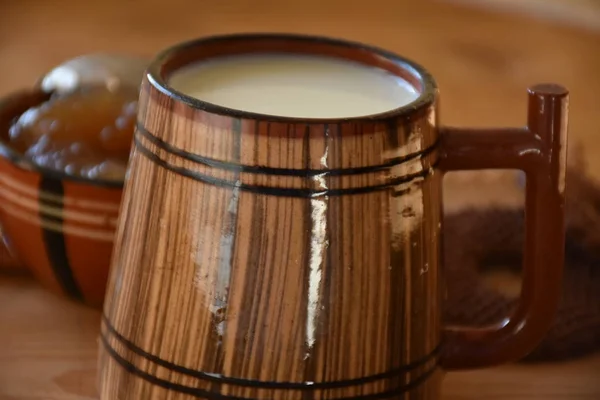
<point x="263" y="257"/>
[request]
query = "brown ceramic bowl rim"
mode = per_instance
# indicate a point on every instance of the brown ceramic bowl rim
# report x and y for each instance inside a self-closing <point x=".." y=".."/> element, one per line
<point x="159" y="71"/>
<point x="22" y="162"/>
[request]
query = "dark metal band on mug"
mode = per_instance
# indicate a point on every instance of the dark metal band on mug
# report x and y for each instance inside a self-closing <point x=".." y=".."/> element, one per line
<point x="256" y="169"/>
<point x="275" y="191"/>
<point x="202" y="393"/>
<point x="217" y="378"/>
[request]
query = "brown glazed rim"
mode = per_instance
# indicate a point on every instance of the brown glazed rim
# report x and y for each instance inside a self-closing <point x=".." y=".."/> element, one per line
<point x="193" y="51"/>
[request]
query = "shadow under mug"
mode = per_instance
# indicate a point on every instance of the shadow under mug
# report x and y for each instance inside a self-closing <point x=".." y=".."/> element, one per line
<point x="264" y="257"/>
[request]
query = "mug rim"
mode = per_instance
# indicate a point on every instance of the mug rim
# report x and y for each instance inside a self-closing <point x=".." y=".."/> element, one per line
<point x="157" y="75"/>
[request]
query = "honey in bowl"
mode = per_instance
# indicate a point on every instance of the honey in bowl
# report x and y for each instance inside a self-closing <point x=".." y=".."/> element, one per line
<point x="86" y="133"/>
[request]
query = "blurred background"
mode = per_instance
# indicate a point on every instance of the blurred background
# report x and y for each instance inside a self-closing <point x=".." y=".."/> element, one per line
<point x="483" y="53"/>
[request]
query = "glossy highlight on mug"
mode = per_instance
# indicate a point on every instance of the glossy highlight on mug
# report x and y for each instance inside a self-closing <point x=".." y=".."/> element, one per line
<point x="319" y="242"/>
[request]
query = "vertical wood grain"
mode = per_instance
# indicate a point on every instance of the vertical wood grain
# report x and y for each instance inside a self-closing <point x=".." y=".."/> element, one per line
<point x="266" y="259"/>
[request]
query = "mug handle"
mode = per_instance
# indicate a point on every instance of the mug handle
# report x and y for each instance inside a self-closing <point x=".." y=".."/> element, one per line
<point x="540" y="151"/>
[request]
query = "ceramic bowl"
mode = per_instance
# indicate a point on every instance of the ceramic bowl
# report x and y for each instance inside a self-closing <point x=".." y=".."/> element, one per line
<point x="58" y="226"/>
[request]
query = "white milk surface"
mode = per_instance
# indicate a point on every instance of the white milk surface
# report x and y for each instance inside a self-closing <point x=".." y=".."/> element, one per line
<point x="293" y="85"/>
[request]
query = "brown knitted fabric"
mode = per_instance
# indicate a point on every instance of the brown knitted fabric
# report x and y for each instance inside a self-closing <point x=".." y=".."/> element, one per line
<point x="477" y="238"/>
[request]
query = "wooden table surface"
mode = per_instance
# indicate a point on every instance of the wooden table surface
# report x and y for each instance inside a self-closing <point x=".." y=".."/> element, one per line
<point x="483" y="63"/>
